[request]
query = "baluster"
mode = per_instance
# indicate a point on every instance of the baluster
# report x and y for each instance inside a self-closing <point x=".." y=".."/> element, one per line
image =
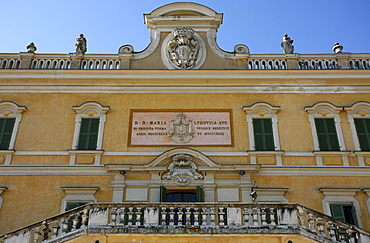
<point x="55" y="228"/>
<point x="320" y="226"/>
<point x="179" y="216"/>
<point x="263" y="216"/>
<point x="213" y="216"/>
<point x="311" y="222"/>
<point x="196" y="216"/>
<point x="221" y="215"/>
<point x="36" y="235"/>
<point x="331" y="230"/>
<point x="246" y="216"/>
<point x="65" y="225"/>
<point x="172" y="216"/>
<point x="204" y="216"/>
<point x="130" y="214"/>
<point x="188" y="216"/>
<point x="301" y="217"/>
<point x="351" y="235"/>
<point x="272" y="217"/>
<point x="85" y="217"/>
<point x="46" y="230"/>
<point x="75" y="221"/>
<point x="164" y="214"/>
<point x="342" y="235"/>
<point x="138" y="216"/>
<point x="255" y="216"/>
<point x="122" y="216"/>
<point x="113" y="216"/>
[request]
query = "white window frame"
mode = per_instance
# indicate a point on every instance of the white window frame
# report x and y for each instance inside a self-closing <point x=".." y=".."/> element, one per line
<point x="341" y="196"/>
<point x="10" y="109"/>
<point x="327" y="110"/>
<point x="78" y="194"/>
<point x="88" y="110"/>
<point x="358" y="110"/>
<point x="262" y="110"/>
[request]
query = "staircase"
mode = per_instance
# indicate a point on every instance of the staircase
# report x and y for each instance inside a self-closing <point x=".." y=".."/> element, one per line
<point x="189" y="218"/>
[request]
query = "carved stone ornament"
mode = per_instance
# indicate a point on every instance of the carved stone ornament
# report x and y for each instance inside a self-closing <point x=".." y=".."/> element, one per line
<point x="181" y="130"/>
<point x="182" y="169"/>
<point x="183" y="48"/>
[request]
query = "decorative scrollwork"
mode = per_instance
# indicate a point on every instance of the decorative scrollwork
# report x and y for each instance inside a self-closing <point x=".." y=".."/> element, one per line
<point x="241" y="49"/>
<point x="126" y="49"/>
<point x="182" y="169"/>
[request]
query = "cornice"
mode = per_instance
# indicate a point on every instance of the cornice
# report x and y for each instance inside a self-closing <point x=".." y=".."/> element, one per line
<point x="183" y="74"/>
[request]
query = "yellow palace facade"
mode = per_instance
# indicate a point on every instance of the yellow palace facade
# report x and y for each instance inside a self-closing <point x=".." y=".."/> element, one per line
<point x="184" y="142"/>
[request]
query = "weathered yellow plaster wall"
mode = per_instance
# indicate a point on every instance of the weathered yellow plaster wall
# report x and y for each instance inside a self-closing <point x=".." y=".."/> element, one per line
<point x="33" y="198"/>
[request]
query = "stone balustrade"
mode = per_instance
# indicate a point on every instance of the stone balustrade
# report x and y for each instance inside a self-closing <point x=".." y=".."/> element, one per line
<point x="196" y="218"/>
<point x="25" y="60"/>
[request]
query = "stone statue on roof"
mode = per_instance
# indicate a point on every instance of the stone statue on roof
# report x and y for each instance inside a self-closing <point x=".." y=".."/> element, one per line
<point x="287" y="45"/>
<point x="81" y="45"/>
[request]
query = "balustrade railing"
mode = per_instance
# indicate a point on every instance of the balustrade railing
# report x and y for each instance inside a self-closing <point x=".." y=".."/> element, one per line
<point x="254" y="61"/>
<point x="201" y="215"/>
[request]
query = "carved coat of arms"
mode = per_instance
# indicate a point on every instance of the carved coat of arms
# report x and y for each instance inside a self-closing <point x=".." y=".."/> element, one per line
<point x="182" y="169"/>
<point x="181" y="130"/>
<point x="183" y="48"/>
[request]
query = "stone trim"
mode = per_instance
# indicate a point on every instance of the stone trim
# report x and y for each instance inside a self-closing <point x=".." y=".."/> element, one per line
<point x="78" y="194"/>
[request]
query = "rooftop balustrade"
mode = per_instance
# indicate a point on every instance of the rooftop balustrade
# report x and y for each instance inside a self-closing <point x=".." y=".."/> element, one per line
<point x="253" y="61"/>
<point x="193" y="218"/>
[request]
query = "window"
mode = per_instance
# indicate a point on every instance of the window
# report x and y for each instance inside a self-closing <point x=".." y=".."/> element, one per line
<point x="262" y="126"/>
<point x="10" y="117"/>
<point x="344" y="212"/>
<point x="329" y="147"/>
<point x="90" y="119"/>
<point x="358" y="115"/>
<point x="78" y="196"/>
<point x="363" y="133"/>
<point x="181" y="196"/>
<point x="263" y="135"/>
<point x="6" y="130"/>
<point x="340" y="203"/>
<point x="325" y="123"/>
<point x="327" y="134"/>
<point x="88" y="134"/>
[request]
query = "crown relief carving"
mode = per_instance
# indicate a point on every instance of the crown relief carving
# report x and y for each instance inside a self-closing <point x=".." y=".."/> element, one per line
<point x="182" y="169"/>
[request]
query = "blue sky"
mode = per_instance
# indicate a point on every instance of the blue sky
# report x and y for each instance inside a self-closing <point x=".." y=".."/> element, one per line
<point x="314" y="25"/>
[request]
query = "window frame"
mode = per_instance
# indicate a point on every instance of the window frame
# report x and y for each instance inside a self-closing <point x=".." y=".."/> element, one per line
<point x="325" y="110"/>
<point x="90" y="110"/>
<point x="78" y="195"/>
<point x="262" y="110"/>
<point x="360" y="110"/>
<point x="343" y="196"/>
<point x="9" y="109"/>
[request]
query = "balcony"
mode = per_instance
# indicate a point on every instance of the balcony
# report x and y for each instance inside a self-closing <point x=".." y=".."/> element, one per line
<point x="189" y="218"/>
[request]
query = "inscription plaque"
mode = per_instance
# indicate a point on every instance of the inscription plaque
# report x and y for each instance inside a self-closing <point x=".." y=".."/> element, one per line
<point x="180" y="127"/>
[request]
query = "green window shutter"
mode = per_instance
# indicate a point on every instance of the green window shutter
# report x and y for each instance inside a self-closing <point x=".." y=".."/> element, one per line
<point x="89" y="131"/>
<point x="199" y="194"/>
<point x="327" y="134"/>
<point x="363" y="133"/>
<point x="162" y="194"/>
<point x="338" y="212"/>
<point x="6" y="130"/>
<point x="263" y="135"/>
